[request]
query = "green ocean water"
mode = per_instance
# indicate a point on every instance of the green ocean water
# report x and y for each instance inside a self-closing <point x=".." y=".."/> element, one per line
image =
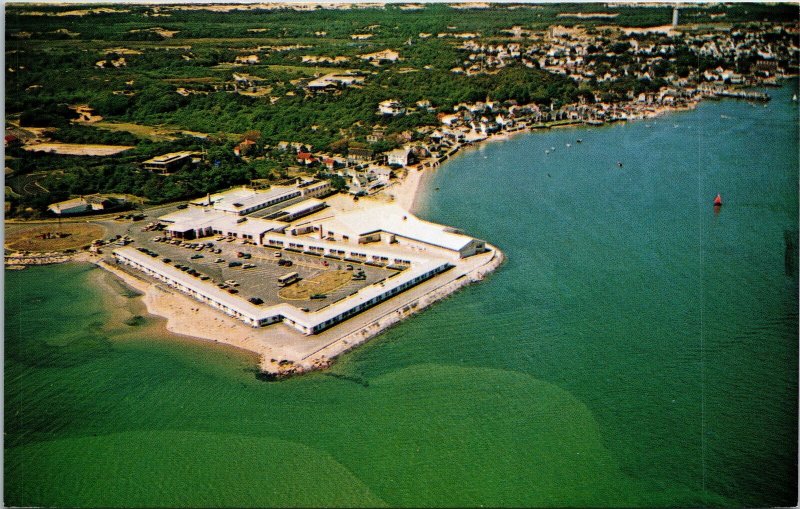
<point x="636" y="349"/>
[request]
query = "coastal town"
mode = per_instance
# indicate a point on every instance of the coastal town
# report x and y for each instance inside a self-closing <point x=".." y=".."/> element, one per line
<point x="306" y="249"/>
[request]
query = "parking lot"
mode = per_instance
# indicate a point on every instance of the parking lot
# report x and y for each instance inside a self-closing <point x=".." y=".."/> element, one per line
<point x="252" y="271"/>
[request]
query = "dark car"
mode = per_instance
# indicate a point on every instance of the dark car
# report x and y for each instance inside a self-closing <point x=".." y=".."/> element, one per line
<point x="234" y="264"/>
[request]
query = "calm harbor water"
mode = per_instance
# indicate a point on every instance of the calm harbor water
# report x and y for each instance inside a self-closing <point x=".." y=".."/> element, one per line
<point x="636" y="349"/>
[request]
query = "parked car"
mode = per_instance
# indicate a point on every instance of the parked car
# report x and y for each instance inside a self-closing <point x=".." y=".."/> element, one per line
<point x="235" y="264"/>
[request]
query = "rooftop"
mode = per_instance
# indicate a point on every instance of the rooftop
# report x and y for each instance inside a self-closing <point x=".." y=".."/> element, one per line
<point x="393" y="219"/>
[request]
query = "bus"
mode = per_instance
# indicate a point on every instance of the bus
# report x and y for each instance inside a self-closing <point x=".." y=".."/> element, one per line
<point x="288" y="279"/>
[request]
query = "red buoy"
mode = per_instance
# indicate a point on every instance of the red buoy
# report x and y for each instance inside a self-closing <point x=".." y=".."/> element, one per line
<point x="718" y="201"/>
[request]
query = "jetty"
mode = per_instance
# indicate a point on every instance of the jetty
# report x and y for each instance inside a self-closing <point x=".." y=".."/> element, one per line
<point x="741" y="94"/>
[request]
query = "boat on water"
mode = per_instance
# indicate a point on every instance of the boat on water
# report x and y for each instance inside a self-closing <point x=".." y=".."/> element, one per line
<point x="718" y="200"/>
<point x="619" y="163"/>
<point x="579" y="140"/>
<point x="794" y="98"/>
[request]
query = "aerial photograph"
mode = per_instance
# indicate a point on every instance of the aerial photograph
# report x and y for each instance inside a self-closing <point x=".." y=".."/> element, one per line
<point x="429" y="254"/>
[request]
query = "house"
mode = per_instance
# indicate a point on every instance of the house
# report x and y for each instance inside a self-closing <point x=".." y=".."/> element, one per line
<point x="329" y="163"/>
<point x="400" y="157"/>
<point x="247" y="59"/>
<point x="359" y="154"/>
<point x="379" y="57"/>
<point x="334" y="81"/>
<point x="425" y="105"/>
<point x="391" y="108"/>
<point x="306" y="158"/>
<point x="244" y="148"/>
<point x="449" y="120"/>
<point x="284" y="146"/>
<point x="378" y="134"/>
<point x="246" y="82"/>
<point x="380" y="172"/>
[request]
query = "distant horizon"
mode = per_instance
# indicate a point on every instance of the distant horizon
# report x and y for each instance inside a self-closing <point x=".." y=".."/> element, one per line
<point x="639" y="3"/>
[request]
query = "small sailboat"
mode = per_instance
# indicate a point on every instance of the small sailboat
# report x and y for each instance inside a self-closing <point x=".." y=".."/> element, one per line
<point x="546" y="151"/>
<point x="794" y="98"/>
<point x="619" y="163"/>
<point x="568" y="145"/>
<point x="579" y="140"/>
<point x="718" y="200"/>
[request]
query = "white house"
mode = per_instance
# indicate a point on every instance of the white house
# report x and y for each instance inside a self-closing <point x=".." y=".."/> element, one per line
<point x="399" y="157"/>
<point x="391" y="107"/>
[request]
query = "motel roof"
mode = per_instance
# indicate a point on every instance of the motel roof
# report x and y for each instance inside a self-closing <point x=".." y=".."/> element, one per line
<point x="302" y="206"/>
<point x="393" y="219"/>
<point x="242" y="198"/>
<point x="194" y="218"/>
<point x="251" y="311"/>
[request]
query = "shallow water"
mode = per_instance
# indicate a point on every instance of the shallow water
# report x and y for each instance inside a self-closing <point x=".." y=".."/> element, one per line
<point x="636" y="349"/>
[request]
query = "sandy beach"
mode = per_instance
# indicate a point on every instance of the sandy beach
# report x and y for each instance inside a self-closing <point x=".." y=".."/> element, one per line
<point x="406" y="192"/>
<point x="188" y="317"/>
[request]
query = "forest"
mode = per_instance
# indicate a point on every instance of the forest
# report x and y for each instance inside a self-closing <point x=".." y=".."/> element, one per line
<point x="167" y="67"/>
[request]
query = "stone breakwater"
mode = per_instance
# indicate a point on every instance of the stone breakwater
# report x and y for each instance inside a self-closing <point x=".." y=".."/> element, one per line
<point x="324" y="357"/>
<point x="16" y="261"/>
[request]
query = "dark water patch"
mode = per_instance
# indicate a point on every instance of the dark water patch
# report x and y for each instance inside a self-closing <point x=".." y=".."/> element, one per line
<point x="349" y="378"/>
<point x="135" y="321"/>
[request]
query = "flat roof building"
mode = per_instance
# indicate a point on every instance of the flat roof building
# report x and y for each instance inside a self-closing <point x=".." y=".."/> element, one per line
<point x="298" y="210"/>
<point x="83" y="204"/>
<point x="256" y="316"/>
<point x="245" y="200"/>
<point x="196" y="222"/>
<point x="391" y="224"/>
<point x="168" y="163"/>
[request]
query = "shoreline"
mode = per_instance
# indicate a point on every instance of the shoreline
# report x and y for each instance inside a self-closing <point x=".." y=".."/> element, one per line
<point x="193" y="320"/>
